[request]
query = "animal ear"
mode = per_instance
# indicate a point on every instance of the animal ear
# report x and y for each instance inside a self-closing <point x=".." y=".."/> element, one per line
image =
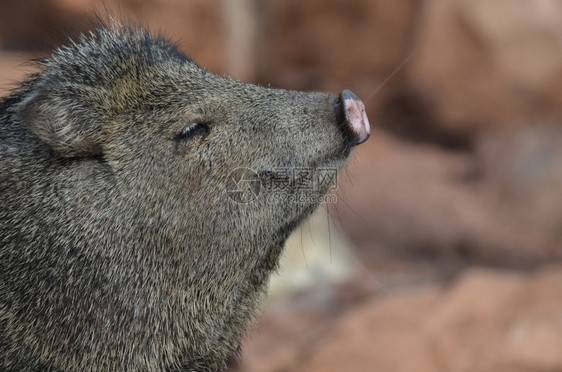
<point x="63" y="119"/>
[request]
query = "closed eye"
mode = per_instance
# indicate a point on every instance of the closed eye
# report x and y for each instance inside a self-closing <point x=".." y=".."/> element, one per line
<point x="192" y="130"/>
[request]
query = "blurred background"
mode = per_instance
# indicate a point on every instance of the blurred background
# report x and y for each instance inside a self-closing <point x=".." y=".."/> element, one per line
<point x="445" y="243"/>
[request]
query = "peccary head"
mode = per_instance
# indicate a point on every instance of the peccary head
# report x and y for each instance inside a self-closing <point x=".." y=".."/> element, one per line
<point x="139" y="227"/>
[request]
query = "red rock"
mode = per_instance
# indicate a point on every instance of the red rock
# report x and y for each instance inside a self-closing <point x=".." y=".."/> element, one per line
<point x="420" y="199"/>
<point x="486" y="320"/>
<point x="338" y="44"/>
<point x="489" y="63"/>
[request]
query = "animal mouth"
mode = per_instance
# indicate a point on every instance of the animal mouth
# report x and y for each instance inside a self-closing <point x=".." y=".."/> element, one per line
<point x="333" y="159"/>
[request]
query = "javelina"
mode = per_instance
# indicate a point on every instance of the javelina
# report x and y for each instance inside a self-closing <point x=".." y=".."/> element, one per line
<point x="120" y="245"/>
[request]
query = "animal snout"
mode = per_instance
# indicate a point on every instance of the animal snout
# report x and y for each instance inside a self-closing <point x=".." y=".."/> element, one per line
<point x="352" y="118"/>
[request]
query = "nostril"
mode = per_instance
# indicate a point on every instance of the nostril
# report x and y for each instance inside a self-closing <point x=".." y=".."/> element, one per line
<point x="352" y="113"/>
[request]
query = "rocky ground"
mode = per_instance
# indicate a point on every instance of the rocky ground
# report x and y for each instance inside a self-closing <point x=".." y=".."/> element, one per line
<point x="448" y="252"/>
<point x="483" y="320"/>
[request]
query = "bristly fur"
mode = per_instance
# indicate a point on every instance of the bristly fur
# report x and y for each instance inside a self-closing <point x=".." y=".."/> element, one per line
<point x="120" y="248"/>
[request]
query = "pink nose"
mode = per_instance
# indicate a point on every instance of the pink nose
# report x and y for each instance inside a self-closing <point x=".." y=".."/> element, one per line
<point x="355" y="115"/>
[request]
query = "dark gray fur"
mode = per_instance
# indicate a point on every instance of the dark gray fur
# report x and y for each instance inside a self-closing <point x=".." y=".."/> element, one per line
<point x="119" y="247"/>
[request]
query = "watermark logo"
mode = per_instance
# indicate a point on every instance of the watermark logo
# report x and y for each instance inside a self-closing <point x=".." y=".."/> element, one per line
<point x="301" y="198"/>
<point x="283" y="185"/>
<point x="243" y="185"/>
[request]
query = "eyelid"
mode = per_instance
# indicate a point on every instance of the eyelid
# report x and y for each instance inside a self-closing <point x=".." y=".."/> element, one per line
<point x="192" y="129"/>
<point x="189" y="128"/>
